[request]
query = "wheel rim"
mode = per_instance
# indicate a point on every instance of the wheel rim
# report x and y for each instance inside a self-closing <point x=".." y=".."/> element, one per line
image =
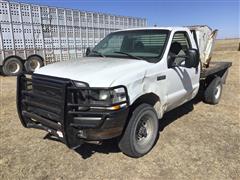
<point x="34" y="64"/>
<point x="13" y="67"/>
<point x="144" y="130"/>
<point x="217" y="91"/>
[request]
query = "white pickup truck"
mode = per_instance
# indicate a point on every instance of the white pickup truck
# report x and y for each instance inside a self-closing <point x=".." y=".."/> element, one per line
<point x="123" y="87"/>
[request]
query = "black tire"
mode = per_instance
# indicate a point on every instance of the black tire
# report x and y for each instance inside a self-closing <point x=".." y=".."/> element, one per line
<point x="33" y="63"/>
<point x="139" y="138"/>
<point x="213" y="92"/>
<point x="12" y="67"/>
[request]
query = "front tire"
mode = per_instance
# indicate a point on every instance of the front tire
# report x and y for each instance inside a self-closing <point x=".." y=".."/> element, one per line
<point x="141" y="132"/>
<point x="12" y="67"/>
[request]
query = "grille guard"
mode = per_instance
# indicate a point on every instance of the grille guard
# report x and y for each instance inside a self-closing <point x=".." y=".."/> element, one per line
<point x="60" y="118"/>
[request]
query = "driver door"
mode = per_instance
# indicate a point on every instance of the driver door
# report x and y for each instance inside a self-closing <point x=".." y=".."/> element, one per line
<point x="183" y="82"/>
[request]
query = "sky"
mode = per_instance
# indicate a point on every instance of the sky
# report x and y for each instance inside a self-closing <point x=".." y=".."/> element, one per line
<point x="223" y="15"/>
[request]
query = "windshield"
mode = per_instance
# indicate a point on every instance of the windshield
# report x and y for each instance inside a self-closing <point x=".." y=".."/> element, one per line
<point x="138" y="44"/>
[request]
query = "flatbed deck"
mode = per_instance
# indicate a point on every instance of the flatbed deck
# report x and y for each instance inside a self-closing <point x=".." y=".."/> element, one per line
<point x="215" y="68"/>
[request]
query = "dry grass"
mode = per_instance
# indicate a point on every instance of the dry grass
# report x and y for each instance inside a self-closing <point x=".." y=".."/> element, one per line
<point x="197" y="141"/>
<point x="227" y="45"/>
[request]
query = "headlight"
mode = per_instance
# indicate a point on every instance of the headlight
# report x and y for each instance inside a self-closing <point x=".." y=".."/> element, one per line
<point x="99" y="95"/>
<point x="103" y="95"/>
<point x="114" y="98"/>
<point x="102" y="98"/>
<point x="118" y="95"/>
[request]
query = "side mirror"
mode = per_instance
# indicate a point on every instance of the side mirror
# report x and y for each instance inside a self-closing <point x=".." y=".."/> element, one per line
<point x="88" y="50"/>
<point x="193" y="58"/>
<point x="172" y="60"/>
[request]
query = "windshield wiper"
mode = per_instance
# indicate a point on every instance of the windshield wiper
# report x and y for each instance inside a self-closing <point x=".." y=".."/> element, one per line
<point x="98" y="53"/>
<point x="129" y="55"/>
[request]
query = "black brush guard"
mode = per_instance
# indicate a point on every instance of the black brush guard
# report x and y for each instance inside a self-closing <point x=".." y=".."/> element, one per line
<point x="50" y="104"/>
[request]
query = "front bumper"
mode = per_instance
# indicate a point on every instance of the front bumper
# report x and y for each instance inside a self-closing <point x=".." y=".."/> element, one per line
<point x="46" y="103"/>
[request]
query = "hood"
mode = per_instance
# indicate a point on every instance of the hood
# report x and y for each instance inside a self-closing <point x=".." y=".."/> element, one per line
<point x="96" y="71"/>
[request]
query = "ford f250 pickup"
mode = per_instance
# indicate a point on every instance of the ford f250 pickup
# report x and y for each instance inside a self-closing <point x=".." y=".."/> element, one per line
<point x="123" y="87"/>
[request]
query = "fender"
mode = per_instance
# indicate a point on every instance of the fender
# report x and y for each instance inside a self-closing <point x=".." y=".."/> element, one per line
<point x="142" y="89"/>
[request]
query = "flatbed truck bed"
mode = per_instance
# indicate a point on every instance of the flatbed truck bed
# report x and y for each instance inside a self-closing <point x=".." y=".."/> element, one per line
<point x="215" y="68"/>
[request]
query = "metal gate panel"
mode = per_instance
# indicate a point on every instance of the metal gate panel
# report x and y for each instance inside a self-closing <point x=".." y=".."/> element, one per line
<point x="56" y="43"/>
<point x="106" y="20"/>
<point x="29" y="38"/>
<point x="76" y="19"/>
<point x="57" y="55"/>
<point x="48" y="43"/>
<point x="111" y="23"/>
<point x="117" y="22"/>
<point x="53" y="16"/>
<point x="69" y="17"/>
<point x="36" y="18"/>
<point x="101" y="33"/>
<point x="65" y="55"/>
<point x="101" y="21"/>
<point x="95" y="20"/>
<point x="38" y="36"/>
<point x="72" y="54"/>
<point x="78" y="43"/>
<point x="83" y="19"/>
<point x="71" y="43"/>
<point x="61" y="17"/>
<point x="49" y="57"/>
<point x="45" y="15"/>
<point x="7" y="36"/>
<point x="63" y="42"/>
<point x="15" y="12"/>
<point x="4" y="12"/>
<point x="89" y="20"/>
<point x="25" y="13"/>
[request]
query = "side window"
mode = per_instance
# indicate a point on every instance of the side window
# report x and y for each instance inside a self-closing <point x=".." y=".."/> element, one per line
<point x="182" y="39"/>
<point x="178" y="50"/>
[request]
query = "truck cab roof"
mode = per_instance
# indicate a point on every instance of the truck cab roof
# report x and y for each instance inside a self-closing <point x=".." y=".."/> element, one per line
<point x="157" y="28"/>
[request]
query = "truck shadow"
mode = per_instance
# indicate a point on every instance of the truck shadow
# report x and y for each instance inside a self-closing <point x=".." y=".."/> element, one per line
<point x="108" y="146"/>
<point x="175" y="114"/>
<point x="111" y="146"/>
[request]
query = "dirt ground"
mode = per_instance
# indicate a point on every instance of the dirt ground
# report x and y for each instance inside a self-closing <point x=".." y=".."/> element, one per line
<point x="197" y="141"/>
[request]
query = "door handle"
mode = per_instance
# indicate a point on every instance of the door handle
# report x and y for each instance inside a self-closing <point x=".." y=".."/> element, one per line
<point x="161" y="77"/>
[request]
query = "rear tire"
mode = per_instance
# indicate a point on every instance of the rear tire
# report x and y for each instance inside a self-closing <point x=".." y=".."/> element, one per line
<point x="33" y="63"/>
<point x="213" y="92"/>
<point x="141" y="132"/>
<point x="12" y="67"/>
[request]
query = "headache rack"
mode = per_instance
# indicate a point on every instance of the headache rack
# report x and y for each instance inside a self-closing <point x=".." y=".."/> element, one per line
<point x="56" y="105"/>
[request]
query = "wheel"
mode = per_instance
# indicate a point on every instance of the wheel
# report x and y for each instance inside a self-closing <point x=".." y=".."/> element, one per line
<point x="212" y="93"/>
<point x="141" y="132"/>
<point x="33" y="63"/>
<point x="12" y="67"/>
